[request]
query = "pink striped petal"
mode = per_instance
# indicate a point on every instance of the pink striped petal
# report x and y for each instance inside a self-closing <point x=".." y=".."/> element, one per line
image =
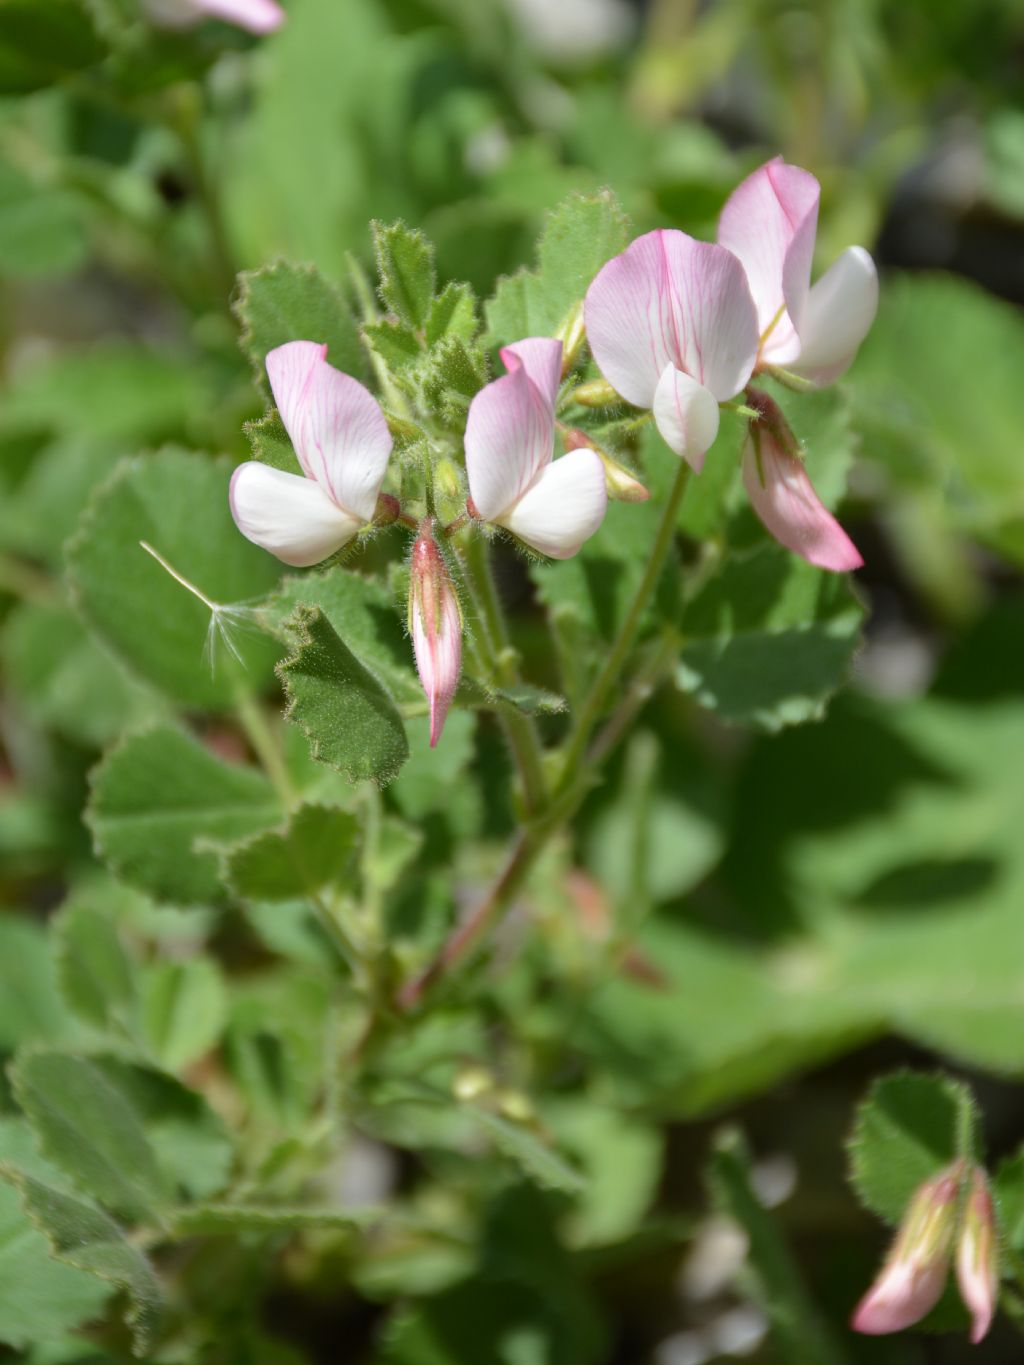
<point x="337" y="427"/>
<point x="770" y="222"/>
<point x="258" y="16"/>
<point x="671" y="300"/>
<point x="510" y="438"/>
<point x="435" y="620"/>
<point x="784" y="499"/>
<point x="686" y="414"/>
<point x="541" y="358"/>
<point x="288" y="515"/>
<point x="840" y="310"/>
<point x="564" y="507"/>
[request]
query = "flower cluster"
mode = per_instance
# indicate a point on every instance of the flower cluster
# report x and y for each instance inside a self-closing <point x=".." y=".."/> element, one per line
<point x="675" y="325"/>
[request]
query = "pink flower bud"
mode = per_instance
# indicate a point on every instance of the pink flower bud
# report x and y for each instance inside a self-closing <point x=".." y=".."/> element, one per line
<point x="435" y="623"/>
<point x="914" y="1274"/>
<point x="620" y="484"/>
<point x="977" y="1271"/>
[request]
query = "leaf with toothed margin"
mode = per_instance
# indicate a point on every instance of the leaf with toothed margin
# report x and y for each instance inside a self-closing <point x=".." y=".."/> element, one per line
<point x="405" y="269"/>
<point x="346" y="713"/>
<point x="284" y="302"/>
<point x="83" y="1236"/>
<point x="269" y="443"/>
<point x="314" y="849"/>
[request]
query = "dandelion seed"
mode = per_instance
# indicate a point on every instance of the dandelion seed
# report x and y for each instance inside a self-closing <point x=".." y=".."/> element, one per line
<point x="227" y="619"/>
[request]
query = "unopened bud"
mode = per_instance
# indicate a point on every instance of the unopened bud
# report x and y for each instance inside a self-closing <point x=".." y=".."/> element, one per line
<point x="912" y="1279"/>
<point x="447" y="480"/>
<point x="620" y="484"/>
<point x="388" y="510"/>
<point x="597" y="393"/>
<point x="571" y="334"/>
<point x="435" y="623"/>
<point x="771" y="416"/>
<point x="977" y="1268"/>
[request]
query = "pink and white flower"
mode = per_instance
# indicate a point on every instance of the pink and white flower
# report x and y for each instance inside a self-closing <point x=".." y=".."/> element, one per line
<point x="342" y="442"/>
<point x="435" y="623"/>
<point x="977" y="1270"/>
<point x="551" y="505"/>
<point x="770" y="223"/>
<point x="257" y="16"/>
<point x="672" y="326"/>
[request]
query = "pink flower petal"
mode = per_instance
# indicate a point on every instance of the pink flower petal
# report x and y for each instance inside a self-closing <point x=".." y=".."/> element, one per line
<point x="904" y="1293"/>
<point x="790" y="509"/>
<point x="541" y="358"/>
<point x="288" y="515"/>
<point x="686" y="414"/>
<point x="258" y="16"/>
<point x="436" y="624"/>
<point x="770" y="222"/>
<point x="840" y="310"/>
<point x="510" y="438"/>
<point x="671" y="300"/>
<point x="338" y="430"/>
<point x="564" y="507"/>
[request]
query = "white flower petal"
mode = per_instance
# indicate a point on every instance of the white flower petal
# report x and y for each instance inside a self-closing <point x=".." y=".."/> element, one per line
<point x="337" y="427"/>
<point x="686" y="414"/>
<point x="258" y="16"/>
<point x="510" y="437"/>
<point x="288" y="515"/>
<point x="840" y="310"/>
<point x="564" y="507"/>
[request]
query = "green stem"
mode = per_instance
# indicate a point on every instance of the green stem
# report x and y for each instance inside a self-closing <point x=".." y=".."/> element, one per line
<point x="499" y="659"/>
<point x="187" y="122"/>
<point x="598" y="695"/>
<point x="264" y="744"/>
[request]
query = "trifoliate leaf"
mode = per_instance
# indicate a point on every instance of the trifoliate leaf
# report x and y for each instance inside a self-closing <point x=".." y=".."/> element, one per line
<point x="315" y="849"/>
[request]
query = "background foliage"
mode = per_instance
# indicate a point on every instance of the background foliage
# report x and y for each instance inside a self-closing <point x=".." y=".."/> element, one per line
<point x="211" y="1150"/>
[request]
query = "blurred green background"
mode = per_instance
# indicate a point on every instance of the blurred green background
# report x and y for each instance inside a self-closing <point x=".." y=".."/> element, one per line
<point x="849" y="895"/>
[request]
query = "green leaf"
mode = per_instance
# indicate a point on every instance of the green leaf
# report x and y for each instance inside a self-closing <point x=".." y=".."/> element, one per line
<point x="452" y="313"/>
<point x="177" y="502"/>
<point x="67" y="681"/>
<point x="156" y="795"/>
<point x="621" y="1160"/>
<point x="95" y="973"/>
<point x="395" y="343"/>
<point x="406" y="272"/>
<point x="315" y="849"/>
<point x="533" y="1156"/>
<point x="284" y="302"/>
<point x="85" y="1125"/>
<point x="579" y="236"/>
<point x="184" y="1009"/>
<point x="1008" y="1188"/>
<point x="31" y="1010"/>
<point x="41" y="44"/>
<point x="230" y="1219"/>
<point x="82" y="1236"/>
<point x="270" y="444"/>
<point x="346" y="713"/>
<point x="452" y="375"/>
<point x="909" y="1128"/>
<point x="431" y="779"/>
<point x="41" y="227"/>
<point x="768" y="639"/>
<point x="770" y="1275"/>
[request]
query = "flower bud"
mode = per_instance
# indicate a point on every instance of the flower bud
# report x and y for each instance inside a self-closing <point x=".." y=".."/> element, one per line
<point x="572" y="335"/>
<point x="596" y="393"/>
<point x="977" y="1271"/>
<point x="387" y="511"/>
<point x="435" y="623"/>
<point x="914" y="1274"/>
<point x="620" y="483"/>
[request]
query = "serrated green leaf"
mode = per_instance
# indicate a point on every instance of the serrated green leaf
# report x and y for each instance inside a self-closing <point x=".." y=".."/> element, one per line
<point x="231" y="1219"/>
<point x="452" y="313"/>
<point x="579" y="236"/>
<point x="270" y="444"/>
<point x="395" y="343"/>
<point x="184" y="1010"/>
<point x="95" y="974"/>
<point x="177" y="502"/>
<point x="909" y="1128"/>
<point x="85" y="1125"/>
<point x="160" y="793"/>
<point x="31" y="1010"/>
<point x="82" y="1236"/>
<point x="315" y="849"/>
<point x="452" y="376"/>
<point x="406" y="272"/>
<point x="285" y="302"/>
<point x="770" y="1275"/>
<point x="768" y="639"/>
<point x="535" y="1158"/>
<point x="346" y="713"/>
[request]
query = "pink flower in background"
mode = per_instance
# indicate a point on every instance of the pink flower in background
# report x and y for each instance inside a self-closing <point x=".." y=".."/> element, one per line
<point x="977" y="1270"/>
<point x="783" y="496"/>
<point x="770" y="222"/>
<point x="342" y="442"/>
<point x="915" y="1271"/>
<point x="435" y="623"/>
<point x="554" y="506"/>
<point x="257" y="16"/>
<point x="673" y="327"/>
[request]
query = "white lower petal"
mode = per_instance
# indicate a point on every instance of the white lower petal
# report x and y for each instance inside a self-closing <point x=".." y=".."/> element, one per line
<point x="840" y="310"/>
<point x="288" y="515"/>
<point x="686" y="414"/>
<point x="564" y="507"/>
<point x="258" y="16"/>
